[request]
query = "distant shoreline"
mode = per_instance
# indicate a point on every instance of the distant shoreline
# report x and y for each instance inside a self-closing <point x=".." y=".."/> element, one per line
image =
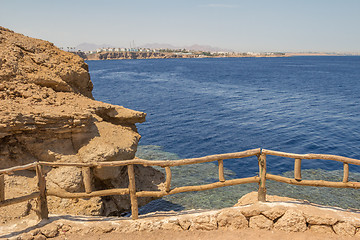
<point x="321" y="54"/>
<point x="174" y="55"/>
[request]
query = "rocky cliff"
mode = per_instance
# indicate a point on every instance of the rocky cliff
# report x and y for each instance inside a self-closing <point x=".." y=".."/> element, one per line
<point x="47" y="113"/>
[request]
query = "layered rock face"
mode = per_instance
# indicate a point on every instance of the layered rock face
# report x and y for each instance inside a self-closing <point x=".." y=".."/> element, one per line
<point x="47" y="113"/>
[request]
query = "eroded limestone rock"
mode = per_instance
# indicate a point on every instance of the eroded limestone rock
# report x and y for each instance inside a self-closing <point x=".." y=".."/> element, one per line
<point x="232" y="218"/>
<point x="260" y="222"/>
<point x="47" y="113"/>
<point x="274" y="213"/>
<point x="204" y="222"/>
<point x="50" y="230"/>
<point x="321" y="229"/>
<point x="323" y="219"/>
<point x="292" y="221"/>
<point x="344" y="228"/>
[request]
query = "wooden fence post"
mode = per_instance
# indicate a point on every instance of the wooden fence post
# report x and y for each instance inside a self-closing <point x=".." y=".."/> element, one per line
<point x="221" y="171"/>
<point x="43" y="208"/>
<point x="2" y="187"/>
<point x="262" y="175"/>
<point x="346" y="173"/>
<point x="132" y="191"/>
<point x="86" y="172"/>
<point x="297" y="169"/>
<point x="168" y="179"/>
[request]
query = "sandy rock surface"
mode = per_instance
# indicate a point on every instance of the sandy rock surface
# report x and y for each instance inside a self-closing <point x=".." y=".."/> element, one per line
<point x="47" y="113"/>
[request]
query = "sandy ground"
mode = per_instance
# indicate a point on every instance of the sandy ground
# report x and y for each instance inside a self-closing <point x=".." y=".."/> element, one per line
<point x="206" y="235"/>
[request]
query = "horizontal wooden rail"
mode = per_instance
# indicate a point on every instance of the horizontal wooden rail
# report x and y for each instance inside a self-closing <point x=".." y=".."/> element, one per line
<point x="313" y="183"/>
<point x="313" y="156"/>
<point x="11" y="201"/>
<point x="163" y="163"/>
<point x="227" y="183"/>
<point x="18" y="168"/>
<point x="100" y="193"/>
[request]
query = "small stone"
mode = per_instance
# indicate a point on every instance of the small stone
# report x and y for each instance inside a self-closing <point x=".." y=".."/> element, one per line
<point x="65" y="228"/>
<point x="204" y="222"/>
<point x="323" y="219"/>
<point x="274" y="213"/>
<point x="26" y="236"/>
<point x="106" y="229"/>
<point x="321" y="229"/>
<point x="260" y="222"/>
<point x="39" y="237"/>
<point x="291" y="221"/>
<point x="50" y="230"/>
<point x="35" y="232"/>
<point x="344" y="228"/>
<point x="232" y="218"/>
<point x="76" y="229"/>
<point x="250" y="211"/>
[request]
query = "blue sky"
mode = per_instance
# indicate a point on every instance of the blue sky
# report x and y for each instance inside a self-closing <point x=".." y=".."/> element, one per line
<point x="243" y="25"/>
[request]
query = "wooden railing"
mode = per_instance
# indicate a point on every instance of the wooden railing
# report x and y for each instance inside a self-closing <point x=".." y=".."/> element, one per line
<point x="42" y="192"/>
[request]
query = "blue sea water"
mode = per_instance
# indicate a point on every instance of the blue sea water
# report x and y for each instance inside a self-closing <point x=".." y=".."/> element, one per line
<point x="198" y="107"/>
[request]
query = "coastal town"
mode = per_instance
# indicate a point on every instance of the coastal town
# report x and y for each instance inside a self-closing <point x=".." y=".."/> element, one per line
<point x="111" y="53"/>
<point x="159" y="53"/>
